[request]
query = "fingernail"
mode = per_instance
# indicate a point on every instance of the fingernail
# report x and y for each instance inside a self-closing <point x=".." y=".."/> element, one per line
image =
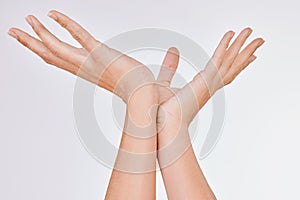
<point x="249" y="30"/>
<point x="12" y="34"/>
<point x="29" y="21"/>
<point x="261" y="42"/>
<point x="53" y="16"/>
<point x="173" y="50"/>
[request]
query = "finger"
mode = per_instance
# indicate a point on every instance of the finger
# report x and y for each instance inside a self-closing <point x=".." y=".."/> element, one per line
<point x="251" y="59"/>
<point x="236" y="46"/>
<point x="233" y="74"/>
<point x="41" y="50"/>
<point x="241" y="62"/>
<point x="57" y="47"/>
<point x="86" y="40"/>
<point x="220" y="52"/>
<point x="169" y="66"/>
<point x="251" y="48"/>
<point x="246" y="63"/>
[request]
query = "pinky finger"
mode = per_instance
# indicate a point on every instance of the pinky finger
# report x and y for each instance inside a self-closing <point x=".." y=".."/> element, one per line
<point x="248" y="62"/>
<point x="232" y="74"/>
<point x="251" y="48"/>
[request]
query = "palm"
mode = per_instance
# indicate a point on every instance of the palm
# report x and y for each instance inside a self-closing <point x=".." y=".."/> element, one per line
<point x="226" y="63"/>
<point x="95" y="62"/>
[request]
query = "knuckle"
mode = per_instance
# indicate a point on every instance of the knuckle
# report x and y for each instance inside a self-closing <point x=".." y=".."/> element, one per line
<point x="55" y="53"/>
<point x="46" y="57"/>
<point x="85" y="39"/>
<point x="24" y="42"/>
<point x="80" y="36"/>
<point x="64" y="24"/>
<point x="77" y="35"/>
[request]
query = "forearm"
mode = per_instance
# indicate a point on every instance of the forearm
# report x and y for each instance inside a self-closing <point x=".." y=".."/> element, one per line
<point x="134" y="174"/>
<point x="189" y="181"/>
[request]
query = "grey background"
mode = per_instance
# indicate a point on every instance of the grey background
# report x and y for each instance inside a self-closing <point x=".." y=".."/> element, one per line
<point x="257" y="155"/>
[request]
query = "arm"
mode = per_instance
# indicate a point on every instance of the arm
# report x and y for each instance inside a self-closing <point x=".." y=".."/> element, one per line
<point x="121" y="75"/>
<point x="94" y="62"/>
<point x="182" y="175"/>
<point x="134" y="174"/>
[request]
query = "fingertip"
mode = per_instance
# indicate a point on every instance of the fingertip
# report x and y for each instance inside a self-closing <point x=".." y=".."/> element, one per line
<point x="28" y="19"/>
<point x="52" y="14"/>
<point x="246" y="32"/>
<point x="262" y="41"/>
<point x="15" y="30"/>
<point x="11" y="32"/>
<point x="248" y="29"/>
<point x="11" y="29"/>
<point x="230" y="32"/>
<point x="173" y="50"/>
<point x="171" y="59"/>
<point x="258" y="42"/>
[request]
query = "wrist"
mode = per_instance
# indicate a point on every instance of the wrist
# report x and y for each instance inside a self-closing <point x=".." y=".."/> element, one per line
<point x="138" y="80"/>
<point x="141" y="112"/>
<point x="144" y="96"/>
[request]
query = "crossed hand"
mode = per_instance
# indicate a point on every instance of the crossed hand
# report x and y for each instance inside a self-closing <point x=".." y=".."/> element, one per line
<point x="131" y="80"/>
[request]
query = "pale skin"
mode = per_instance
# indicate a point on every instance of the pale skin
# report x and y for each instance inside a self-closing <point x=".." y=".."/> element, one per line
<point x="229" y="60"/>
<point x="182" y="175"/>
<point x="55" y="52"/>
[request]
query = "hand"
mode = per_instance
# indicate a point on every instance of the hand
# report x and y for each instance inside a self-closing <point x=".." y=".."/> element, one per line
<point x="94" y="62"/>
<point x="178" y="107"/>
<point x="177" y="160"/>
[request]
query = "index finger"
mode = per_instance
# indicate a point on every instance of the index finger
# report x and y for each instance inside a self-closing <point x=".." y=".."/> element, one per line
<point x="86" y="40"/>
